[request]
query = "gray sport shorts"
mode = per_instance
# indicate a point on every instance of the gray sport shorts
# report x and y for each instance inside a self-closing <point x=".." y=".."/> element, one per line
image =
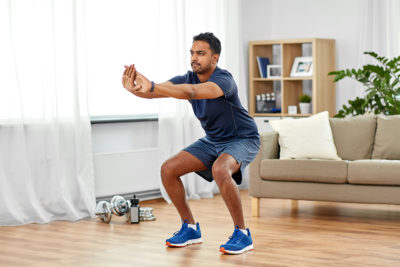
<point x="242" y="150"/>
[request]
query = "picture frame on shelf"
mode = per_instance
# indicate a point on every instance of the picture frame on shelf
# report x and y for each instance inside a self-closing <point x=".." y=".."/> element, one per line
<point x="274" y="71"/>
<point x="302" y="66"/>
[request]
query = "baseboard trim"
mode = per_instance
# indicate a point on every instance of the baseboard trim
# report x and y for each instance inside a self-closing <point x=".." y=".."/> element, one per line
<point x="141" y="195"/>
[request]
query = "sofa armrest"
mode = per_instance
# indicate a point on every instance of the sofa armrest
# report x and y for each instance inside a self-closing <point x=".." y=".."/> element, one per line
<point x="269" y="145"/>
<point x="269" y="150"/>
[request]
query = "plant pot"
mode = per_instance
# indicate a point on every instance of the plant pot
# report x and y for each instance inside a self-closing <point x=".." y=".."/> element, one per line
<point x="305" y="108"/>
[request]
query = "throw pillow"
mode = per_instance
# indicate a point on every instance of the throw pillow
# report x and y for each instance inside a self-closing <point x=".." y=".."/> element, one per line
<point x="354" y="136"/>
<point x="307" y="138"/>
<point x="387" y="145"/>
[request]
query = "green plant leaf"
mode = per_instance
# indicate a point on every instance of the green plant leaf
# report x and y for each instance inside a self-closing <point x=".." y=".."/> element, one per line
<point x="381" y="82"/>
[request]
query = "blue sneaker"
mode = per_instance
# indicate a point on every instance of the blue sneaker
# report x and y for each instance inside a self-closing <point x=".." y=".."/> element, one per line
<point x="238" y="242"/>
<point x="185" y="236"/>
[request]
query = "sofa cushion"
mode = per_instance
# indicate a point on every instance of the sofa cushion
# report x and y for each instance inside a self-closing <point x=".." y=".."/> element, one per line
<point x="307" y="138"/>
<point x="320" y="171"/>
<point x="387" y="145"/>
<point x="375" y="171"/>
<point x="354" y="136"/>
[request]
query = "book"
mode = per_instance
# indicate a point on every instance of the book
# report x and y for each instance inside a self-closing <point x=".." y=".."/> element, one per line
<point x="263" y="62"/>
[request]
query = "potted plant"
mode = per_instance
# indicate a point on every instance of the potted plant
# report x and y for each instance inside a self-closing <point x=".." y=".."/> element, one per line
<point x="382" y="82"/>
<point x="305" y="104"/>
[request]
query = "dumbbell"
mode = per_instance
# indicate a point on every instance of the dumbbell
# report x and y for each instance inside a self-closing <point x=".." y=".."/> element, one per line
<point x="121" y="207"/>
<point x="103" y="211"/>
<point x="146" y="214"/>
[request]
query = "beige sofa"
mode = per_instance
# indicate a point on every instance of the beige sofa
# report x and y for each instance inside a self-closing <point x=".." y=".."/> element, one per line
<point x="369" y="171"/>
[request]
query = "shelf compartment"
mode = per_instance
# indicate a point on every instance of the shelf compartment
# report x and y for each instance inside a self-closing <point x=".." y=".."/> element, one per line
<point x="261" y="51"/>
<point x="265" y="87"/>
<point x="292" y="89"/>
<point x="290" y="52"/>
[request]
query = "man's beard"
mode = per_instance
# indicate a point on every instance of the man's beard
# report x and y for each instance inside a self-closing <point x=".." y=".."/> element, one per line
<point x="198" y="70"/>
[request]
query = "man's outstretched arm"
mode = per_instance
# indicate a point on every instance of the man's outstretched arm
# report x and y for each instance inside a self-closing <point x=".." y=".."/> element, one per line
<point x="141" y="86"/>
<point x="207" y="90"/>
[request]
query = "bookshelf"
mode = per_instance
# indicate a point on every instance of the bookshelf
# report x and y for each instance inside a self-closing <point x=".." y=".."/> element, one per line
<point x="287" y="89"/>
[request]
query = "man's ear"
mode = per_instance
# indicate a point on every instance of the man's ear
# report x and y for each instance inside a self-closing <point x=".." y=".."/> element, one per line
<point x="215" y="59"/>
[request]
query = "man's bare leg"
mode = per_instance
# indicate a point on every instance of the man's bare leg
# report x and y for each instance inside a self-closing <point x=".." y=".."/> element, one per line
<point x="171" y="171"/>
<point x="241" y="240"/>
<point x="222" y="171"/>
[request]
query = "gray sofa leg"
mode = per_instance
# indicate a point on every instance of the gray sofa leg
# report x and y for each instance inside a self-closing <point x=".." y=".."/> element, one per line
<point x="255" y="206"/>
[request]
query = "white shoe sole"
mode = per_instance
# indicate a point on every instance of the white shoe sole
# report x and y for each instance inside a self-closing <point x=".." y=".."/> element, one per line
<point x="250" y="247"/>
<point x="189" y="242"/>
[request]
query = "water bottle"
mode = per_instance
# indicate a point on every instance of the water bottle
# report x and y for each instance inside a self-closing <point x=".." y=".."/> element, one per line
<point x="135" y="210"/>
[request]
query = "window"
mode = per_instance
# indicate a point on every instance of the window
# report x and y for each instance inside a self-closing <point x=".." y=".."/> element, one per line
<point x="119" y="33"/>
<point x="52" y="49"/>
<point x="154" y="35"/>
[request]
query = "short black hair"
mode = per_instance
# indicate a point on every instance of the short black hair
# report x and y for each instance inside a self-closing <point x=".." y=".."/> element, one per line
<point x="210" y="38"/>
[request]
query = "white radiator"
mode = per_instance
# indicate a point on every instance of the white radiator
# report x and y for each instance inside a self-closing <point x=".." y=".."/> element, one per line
<point x="119" y="173"/>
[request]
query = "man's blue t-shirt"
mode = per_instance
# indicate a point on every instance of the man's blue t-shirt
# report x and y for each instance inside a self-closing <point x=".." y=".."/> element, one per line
<point x="222" y="118"/>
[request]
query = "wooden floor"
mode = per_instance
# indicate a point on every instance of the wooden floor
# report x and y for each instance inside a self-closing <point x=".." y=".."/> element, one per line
<point x="314" y="234"/>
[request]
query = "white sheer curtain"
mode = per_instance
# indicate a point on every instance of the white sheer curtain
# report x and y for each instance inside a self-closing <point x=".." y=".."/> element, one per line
<point x="46" y="170"/>
<point x="380" y="31"/>
<point x="179" y="21"/>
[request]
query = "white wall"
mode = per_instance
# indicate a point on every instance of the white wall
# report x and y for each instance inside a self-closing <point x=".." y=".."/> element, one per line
<point x="288" y="19"/>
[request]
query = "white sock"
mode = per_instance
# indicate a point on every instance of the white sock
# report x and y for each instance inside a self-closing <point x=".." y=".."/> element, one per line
<point x="193" y="226"/>
<point x="243" y="231"/>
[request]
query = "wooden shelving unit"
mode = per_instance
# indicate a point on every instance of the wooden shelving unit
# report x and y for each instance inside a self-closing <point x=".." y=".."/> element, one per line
<point x="323" y="56"/>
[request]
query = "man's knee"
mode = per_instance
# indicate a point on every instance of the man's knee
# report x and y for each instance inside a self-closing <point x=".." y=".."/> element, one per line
<point x="221" y="173"/>
<point x="167" y="171"/>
